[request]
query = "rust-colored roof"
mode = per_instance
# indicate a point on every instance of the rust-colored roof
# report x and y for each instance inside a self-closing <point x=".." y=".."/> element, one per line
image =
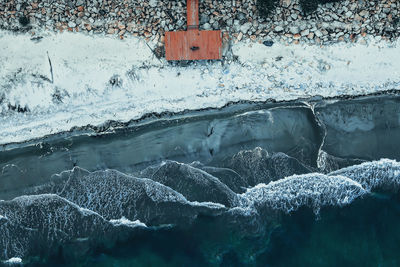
<point x="193" y="44"/>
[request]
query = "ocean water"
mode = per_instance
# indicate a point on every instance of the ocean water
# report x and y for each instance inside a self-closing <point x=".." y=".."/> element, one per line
<point x="253" y="184"/>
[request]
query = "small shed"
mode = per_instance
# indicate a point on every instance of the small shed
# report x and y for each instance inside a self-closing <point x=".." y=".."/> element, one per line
<point x="193" y="44"/>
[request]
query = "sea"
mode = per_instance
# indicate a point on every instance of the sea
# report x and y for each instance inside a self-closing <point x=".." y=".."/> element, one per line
<point x="312" y="182"/>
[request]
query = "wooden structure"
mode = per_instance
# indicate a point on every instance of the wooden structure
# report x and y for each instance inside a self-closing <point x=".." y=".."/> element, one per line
<point x="193" y="44"/>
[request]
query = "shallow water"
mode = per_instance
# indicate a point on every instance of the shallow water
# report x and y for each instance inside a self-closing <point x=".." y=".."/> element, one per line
<point x="250" y="184"/>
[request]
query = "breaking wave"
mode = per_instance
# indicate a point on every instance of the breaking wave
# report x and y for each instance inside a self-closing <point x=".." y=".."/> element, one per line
<point x="94" y="208"/>
<point x="235" y="176"/>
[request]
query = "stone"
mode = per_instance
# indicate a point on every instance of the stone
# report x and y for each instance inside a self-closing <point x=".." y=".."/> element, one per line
<point x="318" y="33"/>
<point x="245" y="27"/>
<point x="294" y="30"/>
<point x="79" y="3"/>
<point x="241" y="15"/>
<point x="268" y="43"/>
<point x="240" y="36"/>
<point x="349" y="14"/>
<point x="364" y="13"/>
<point x="286" y="3"/>
<point x="278" y="29"/>
<point x="305" y="32"/>
<point x="71" y="24"/>
<point x="153" y="3"/>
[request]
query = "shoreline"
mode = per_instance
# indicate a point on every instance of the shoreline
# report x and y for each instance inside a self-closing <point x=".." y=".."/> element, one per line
<point x="93" y="84"/>
<point x="112" y="127"/>
<point x="52" y="82"/>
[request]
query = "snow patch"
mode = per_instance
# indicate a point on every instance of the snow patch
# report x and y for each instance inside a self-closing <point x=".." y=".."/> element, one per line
<point x="83" y="89"/>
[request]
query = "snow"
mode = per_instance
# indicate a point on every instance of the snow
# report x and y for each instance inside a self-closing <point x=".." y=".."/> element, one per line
<point x="83" y="65"/>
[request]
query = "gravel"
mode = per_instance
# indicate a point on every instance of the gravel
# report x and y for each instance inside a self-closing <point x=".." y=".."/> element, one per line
<point x="333" y="22"/>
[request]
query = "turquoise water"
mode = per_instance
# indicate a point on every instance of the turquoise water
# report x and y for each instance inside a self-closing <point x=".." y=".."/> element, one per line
<point x="365" y="233"/>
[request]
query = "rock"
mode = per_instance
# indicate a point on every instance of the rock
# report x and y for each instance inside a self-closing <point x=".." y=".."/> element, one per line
<point x="305" y="32"/>
<point x="278" y="29"/>
<point x="245" y="27"/>
<point x="268" y="43"/>
<point x="24" y="21"/>
<point x="240" y="36"/>
<point x="71" y="24"/>
<point x="153" y="3"/>
<point x="364" y="13"/>
<point x="79" y="3"/>
<point x="286" y="3"/>
<point x="207" y="26"/>
<point x="241" y="15"/>
<point x="296" y="36"/>
<point x="294" y="30"/>
<point x="349" y="14"/>
<point x="204" y="18"/>
<point x="318" y="33"/>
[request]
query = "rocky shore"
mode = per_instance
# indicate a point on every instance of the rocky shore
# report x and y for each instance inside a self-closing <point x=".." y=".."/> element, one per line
<point x="348" y="20"/>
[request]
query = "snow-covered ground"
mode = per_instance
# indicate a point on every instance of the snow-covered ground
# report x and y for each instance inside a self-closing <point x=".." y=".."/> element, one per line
<point x="80" y="92"/>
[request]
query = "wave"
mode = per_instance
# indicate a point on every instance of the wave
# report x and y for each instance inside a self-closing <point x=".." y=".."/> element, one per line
<point x="115" y="195"/>
<point x="35" y="225"/>
<point x="383" y="174"/>
<point x="258" y="166"/>
<point x="313" y="190"/>
<point x="193" y="183"/>
<point x="91" y="208"/>
<point x="129" y="223"/>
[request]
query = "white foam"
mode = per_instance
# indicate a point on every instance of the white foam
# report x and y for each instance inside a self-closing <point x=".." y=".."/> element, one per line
<point x="376" y="174"/>
<point x="13" y="260"/>
<point x="314" y="190"/>
<point x="83" y="65"/>
<point x="129" y="223"/>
